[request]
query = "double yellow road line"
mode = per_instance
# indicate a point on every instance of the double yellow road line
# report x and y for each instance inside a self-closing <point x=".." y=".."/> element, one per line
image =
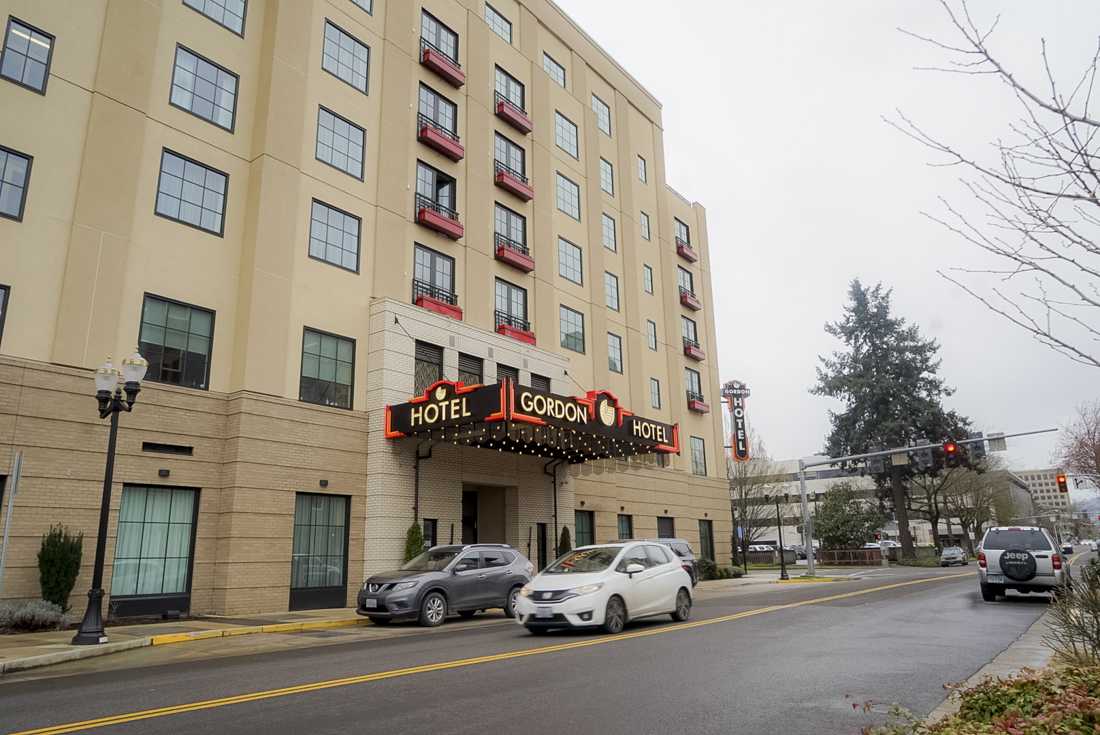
<point x="178" y="709"/>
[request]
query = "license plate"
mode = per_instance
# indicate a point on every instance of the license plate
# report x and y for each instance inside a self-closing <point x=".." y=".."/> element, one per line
<point x="995" y="578"/>
<point x="544" y="612"/>
<point x="369" y="603"/>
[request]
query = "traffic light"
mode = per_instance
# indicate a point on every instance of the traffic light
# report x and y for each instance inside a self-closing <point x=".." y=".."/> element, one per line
<point x="876" y="465"/>
<point x="976" y="449"/>
<point x="1063" y="486"/>
<point x="924" y="459"/>
<point x="951" y="453"/>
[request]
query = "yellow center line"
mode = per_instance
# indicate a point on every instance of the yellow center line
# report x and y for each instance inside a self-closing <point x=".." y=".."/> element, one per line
<point x="455" y="664"/>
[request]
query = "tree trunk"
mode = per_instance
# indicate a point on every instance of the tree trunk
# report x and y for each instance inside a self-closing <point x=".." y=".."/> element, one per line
<point x="901" y="512"/>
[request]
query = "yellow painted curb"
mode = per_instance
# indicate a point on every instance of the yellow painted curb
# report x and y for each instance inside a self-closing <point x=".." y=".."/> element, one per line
<point x="201" y="635"/>
<point x="804" y="580"/>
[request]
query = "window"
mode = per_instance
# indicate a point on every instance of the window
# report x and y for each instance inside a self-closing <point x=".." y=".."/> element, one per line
<point x="328" y="362"/>
<point x="610" y="241"/>
<point x="603" y="114"/>
<point x="654" y="393"/>
<point x="706" y="539"/>
<point x="685" y="279"/>
<point x="666" y="527"/>
<point x="191" y="193"/>
<point x="647" y="278"/>
<point x="26" y="56"/>
<point x="614" y="353"/>
<point x="498" y="23"/>
<point x="431" y="532"/>
<point x="510" y="156"/>
<point x="509" y="89"/>
<point x="155" y="541"/>
<point x="644" y="222"/>
<point x="511" y="305"/>
<point x="226" y="13"/>
<point x="437" y="111"/>
<point x="470" y="369"/>
<point x="15" y="175"/>
<point x="698" y="456"/>
<point x="433" y="275"/>
<point x="683" y="234"/>
<point x="572" y="329"/>
<point x="693" y="383"/>
<point x="553" y="68"/>
<point x="689" y="330"/>
<point x="565" y="134"/>
<point x="438" y="36"/>
<point x="320" y="547"/>
<point x="568" y="196"/>
<point x="584" y="523"/>
<point x="626" y="527"/>
<point x="507" y="372"/>
<point x="427" y="366"/>
<point x="651" y="334"/>
<point x="340" y="143"/>
<point x="658" y="555"/>
<point x="511" y="226"/>
<point x="495" y="558"/>
<point x="636" y="555"/>
<point x="611" y="290"/>
<point x="642" y="175"/>
<point x="570" y="266"/>
<point x="540" y="382"/>
<point x="435" y="190"/>
<point x="345" y="57"/>
<point x="204" y="89"/>
<point x="5" y="295"/>
<point x="607" y="177"/>
<point x="334" y="236"/>
<point x="176" y="339"/>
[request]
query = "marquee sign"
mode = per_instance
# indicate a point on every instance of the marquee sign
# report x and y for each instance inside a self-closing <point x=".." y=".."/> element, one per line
<point x="595" y="421"/>
<point x="735" y="393"/>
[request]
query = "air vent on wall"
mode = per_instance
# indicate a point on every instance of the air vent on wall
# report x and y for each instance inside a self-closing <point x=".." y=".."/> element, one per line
<point x="167" y="448"/>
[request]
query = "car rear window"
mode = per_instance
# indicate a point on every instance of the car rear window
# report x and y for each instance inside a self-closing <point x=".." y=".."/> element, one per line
<point x="999" y="539"/>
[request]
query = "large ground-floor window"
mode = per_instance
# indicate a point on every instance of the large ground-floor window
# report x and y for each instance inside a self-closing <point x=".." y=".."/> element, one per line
<point x="154" y="550"/>
<point x="706" y="539"/>
<point x="585" y="525"/>
<point x="319" y="569"/>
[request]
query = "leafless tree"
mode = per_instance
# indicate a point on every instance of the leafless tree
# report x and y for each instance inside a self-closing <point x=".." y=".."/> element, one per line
<point x="927" y="497"/>
<point x="749" y="482"/>
<point x="1079" y="446"/>
<point x="1039" y="191"/>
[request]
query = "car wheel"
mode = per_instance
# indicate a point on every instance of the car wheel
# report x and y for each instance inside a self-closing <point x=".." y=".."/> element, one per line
<point x="466" y="614"/>
<point x="537" y="631"/>
<point x="683" y="606"/>
<point x="378" y="621"/>
<point x="433" y="610"/>
<point x="510" y="603"/>
<point x="966" y="563"/>
<point x="614" y="618"/>
<point x="944" y="564"/>
<point x="990" y="591"/>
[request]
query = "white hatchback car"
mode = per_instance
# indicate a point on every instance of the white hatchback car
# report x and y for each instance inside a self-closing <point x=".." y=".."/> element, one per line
<point x="606" y="585"/>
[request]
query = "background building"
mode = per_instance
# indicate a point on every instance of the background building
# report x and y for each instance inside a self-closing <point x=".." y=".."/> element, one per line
<point x="1055" y="506"/>
<point x="302" y="212"/>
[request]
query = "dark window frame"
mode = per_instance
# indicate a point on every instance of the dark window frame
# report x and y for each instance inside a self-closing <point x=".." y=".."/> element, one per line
<point x="510" y="81"/>
<point x="27" y="184"/>
<point x="562" y="335"/>
<point x="557" y="67"/>
<point x="358" y="239"/>
<point x="438" y="101"/>
<point x="693" y="337"/>
<point x="655" y="383"/>
<point x="580" y="256"/>
<point x="629" y="518"/>
<point x="511" y="29"/>
<point x="647" y="278"/>
<point x="604" y="219"/>
<point x="575" y="154"/>
<point x="236" y="88"/>
<point x="417" y="361"/>
<point x="606" y="165"/>
<point x="440" y="181"/>
<point x="671" y="522"/>
<point x="651" y="334"/>
<point x="434" y="256"/>
<point x="6" y="290"/>
<point x="557" y="181"/>
<point x="370" y="53"/>
<point x="702" y="455"/>
<point x="611" y="336"/>
<point x="213" y="325"/>
<point x="535" y="377"/>
<point x="160" y="175"/>
<point x="443" y="28"/>
<point x="430" y="538"/>
<point x="244" y="18"/>
<point x="480" y="374"/>
<point x="510" y="146"/>
<point x="605" y="106"/>
<point x="616" y="291"/>
<point x="304" y="598"/>
<point x="49" y="56"/>
<point x="505" y="371"/>
<point x="590" y="532"/>
<point x="693" y="380"/>
<point x="302" y="364"/>
<point x="510" y="288"/>
<point x="706" y="539"/>
<point x="361" y="176"/>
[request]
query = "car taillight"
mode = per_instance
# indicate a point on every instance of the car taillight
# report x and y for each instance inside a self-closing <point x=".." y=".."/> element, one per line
<point x="981" y="559"/>
<point x="1056" y="561"/>
<point x="687" y="568"/>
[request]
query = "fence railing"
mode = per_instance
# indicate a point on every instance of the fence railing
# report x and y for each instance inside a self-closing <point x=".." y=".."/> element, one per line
<point x="423" y="288"/>
<point x="500" y="167"/>
<point x="426" y="44"/>
<point x="423" y="120"/>
<point x="501" y="98"/>
<point x="503" y="241"/>
<point x="423" y="202"/>
<point x="503" y="317"/>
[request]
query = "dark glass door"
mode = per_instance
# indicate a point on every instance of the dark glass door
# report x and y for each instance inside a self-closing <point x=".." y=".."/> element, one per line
<point x="543" y="546"/>
<point x="318" y="566"/>
<point x="469" y="516"/>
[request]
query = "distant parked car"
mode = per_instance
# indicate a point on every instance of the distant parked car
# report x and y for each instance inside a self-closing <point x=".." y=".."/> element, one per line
<point x="953" y="555"/>
<point x="1067" y="548"/>
<point x="1092" y="545"/>
<point x="683" y="551"/>
<point x="761" y="547"/>
<point x="872" y="545"/>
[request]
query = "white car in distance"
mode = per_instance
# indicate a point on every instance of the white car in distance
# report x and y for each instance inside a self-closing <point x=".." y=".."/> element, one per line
<point x="606" y="586"/>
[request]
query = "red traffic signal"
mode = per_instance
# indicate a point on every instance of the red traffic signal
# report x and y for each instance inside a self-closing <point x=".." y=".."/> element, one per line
<point x="950" y="449"/>
<point x="1063" y="486"/>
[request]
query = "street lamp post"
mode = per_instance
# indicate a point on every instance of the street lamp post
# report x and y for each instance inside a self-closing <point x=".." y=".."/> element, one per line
<point x="115" y="393"/>
<point x="779" y="528"/>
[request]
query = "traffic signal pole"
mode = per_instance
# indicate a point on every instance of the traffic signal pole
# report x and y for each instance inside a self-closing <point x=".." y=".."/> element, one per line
<point x="803" y="465"/>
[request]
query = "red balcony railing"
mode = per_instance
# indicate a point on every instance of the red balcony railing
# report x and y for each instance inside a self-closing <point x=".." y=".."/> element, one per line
<point x="690" y="300"/>
<point x="441" y="63"/>
<point x="513" y="253"/>
<point x="513" y="114"/>
<point x="509" y="179"/>
<point x="515" y="327"/>
<point x="696" y="402"/>
<point x="685" y="251"/>
<point x="435" y="216"/>
<point x="432" y="134"/>
<point x="693" y="350"/>
<point x="434" y="298"/>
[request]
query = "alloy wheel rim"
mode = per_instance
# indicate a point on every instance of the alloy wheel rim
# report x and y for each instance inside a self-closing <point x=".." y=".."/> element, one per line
<point x="435" y="609"/>
<point x="615" y="616"/>
<point x="512" y="602"/>
<point x="682" y="605"/>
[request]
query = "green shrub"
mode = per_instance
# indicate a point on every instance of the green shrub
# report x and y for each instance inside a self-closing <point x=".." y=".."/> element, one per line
<point x="414" y="541"/>
<point x="1074" y="632"/>
<point x="30" y="615"/>
<point x="565" y="545"/>
<point x="706" y="569"/>
<point x="58" y="564"/>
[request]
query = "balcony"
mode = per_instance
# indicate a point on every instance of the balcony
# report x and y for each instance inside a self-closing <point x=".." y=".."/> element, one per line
<point x="514" y="327"/>
<point x="685" y="251"/>
<point x="435" y="136"/>
<point x="513" y="181"/>
<point x="434" y="298"/>
<point x="513" y="114"/>
<point x="433" y="57"/>
<point x="690" y="300"/>
<point x="696" y="402"/>
<point x="693" y="350"/>
<point x="513" y="253"/>
<point x="435" y="216"/>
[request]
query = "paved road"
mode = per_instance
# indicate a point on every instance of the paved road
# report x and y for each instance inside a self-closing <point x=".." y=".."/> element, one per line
<point x="771" y="658"/>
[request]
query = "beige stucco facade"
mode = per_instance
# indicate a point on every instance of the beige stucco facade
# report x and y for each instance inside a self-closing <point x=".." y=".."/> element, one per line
<point x="90" y="246"/>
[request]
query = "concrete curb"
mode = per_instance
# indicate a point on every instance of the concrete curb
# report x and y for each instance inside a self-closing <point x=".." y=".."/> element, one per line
<point x="74" y="653"/>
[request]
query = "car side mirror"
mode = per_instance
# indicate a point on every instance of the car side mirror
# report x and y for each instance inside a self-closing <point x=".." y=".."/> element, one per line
<point x="635" y="568"/>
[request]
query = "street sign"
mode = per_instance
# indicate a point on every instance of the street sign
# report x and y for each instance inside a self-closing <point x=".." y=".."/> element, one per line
<point x="997" y="442"/>
<point x="735" y="392"/>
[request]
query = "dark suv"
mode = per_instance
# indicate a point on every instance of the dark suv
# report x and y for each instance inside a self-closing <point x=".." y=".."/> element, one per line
<point x="447" y="579"/>
<point x="683" y="551"/>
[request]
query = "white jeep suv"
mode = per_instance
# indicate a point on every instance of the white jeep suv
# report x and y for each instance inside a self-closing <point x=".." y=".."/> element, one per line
<point x="1024" y="559"/>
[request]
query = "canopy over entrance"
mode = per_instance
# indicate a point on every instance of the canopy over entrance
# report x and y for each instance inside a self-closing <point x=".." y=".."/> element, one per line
<point x="516" y="418"/>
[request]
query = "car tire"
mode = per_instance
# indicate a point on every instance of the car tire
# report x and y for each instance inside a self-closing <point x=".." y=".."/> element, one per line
<point x="683" y="606"/>
<point x="537" y="631"/>
<point x="990" y="591"/>
<point x="510" y="602"/>
<point x="466" y="614"/>
<point x="433" y="610"/>
<point x="375" y="620"/>
<point x="614" y="617"/>
<point x="944" y="564"/>
<point x="966" y="563"/>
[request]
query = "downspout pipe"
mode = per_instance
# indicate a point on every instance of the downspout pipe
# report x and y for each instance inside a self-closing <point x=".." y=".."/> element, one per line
<point x="551" y="469"/>
<point x="416" y="476"/>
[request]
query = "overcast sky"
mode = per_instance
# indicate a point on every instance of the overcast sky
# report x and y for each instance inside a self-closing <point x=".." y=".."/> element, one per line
<point x="773" y="121"/>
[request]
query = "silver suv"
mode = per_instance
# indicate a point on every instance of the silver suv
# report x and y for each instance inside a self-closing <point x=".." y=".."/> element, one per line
<point x="1024" y="559"/>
